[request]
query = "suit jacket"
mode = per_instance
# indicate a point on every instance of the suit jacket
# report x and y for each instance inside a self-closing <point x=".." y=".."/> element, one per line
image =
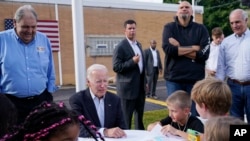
<point x="83" y="104"/>
<point x="128" y="78"/>
<point x="149" y="65"/>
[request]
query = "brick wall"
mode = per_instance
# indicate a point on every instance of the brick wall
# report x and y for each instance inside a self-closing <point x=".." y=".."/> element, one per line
<point x="97" y="21"/>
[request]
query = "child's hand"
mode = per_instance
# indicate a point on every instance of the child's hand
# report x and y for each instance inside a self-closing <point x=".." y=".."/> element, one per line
<point x="169" y="129"/>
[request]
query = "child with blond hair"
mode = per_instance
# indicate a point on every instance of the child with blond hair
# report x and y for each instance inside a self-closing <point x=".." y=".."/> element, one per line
<point x="179" y="119"/>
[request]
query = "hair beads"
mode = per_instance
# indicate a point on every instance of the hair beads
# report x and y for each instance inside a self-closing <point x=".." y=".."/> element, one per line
<point x="49" y="119"/>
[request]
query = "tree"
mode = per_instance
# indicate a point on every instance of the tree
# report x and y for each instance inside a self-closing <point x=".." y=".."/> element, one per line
<point x="170" y="1"/>
<point x="176" y="1"/>
<point x="216" y="12"/>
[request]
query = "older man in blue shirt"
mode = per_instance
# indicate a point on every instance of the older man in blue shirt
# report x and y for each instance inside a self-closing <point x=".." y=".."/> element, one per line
<point x="27" y="73"/>
<point x="233" y="63"/>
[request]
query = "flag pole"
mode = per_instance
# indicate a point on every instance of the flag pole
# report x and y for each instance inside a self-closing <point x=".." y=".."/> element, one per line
<point x="59" y="51"/>
<point x="193" y="7"/>
<point x="78" y="39"/>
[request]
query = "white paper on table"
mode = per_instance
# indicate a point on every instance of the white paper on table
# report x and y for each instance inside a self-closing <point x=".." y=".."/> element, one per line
<point x="157" y="129"/>
<point x="132" y="135"/>
<point x="141" y="135"/>
<point x="85" y="139"/>
<point x="158" y="136"/>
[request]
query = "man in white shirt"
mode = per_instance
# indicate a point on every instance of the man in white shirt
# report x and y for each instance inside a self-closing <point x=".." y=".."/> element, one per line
<point x="153" y="67"/>
<point x="129" y="66"/>
<point x="233" y="63"/>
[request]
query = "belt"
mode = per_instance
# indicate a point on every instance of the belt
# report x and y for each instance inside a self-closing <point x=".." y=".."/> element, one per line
<point x="33" y="97"/>
<point x="239" y="82"/>
<point x="23" y="98"/>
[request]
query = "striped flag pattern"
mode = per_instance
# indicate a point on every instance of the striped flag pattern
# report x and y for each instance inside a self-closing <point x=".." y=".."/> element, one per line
<point x="48" y="27"/>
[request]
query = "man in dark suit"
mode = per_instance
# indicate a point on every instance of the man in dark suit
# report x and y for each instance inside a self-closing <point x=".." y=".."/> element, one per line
<point x="153" y="68"/>
<point x="128" y="63"/>
<point x="102" y="108"/>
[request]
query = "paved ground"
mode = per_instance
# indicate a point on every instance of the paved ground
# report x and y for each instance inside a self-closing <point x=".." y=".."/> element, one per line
<point x="65" y="92"/>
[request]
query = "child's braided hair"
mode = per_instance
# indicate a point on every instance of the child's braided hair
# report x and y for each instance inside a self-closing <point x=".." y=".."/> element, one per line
<point x="47" y="120"/>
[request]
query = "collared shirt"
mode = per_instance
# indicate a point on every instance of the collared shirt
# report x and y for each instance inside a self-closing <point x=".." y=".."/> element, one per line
<point x="234" y="58"/>
<point x="26" y="69"/>
<point x="137" y="50"/>
<point x="212" y="60"/>
<point x="99" y="105"/>
<point x="154" y="57"/>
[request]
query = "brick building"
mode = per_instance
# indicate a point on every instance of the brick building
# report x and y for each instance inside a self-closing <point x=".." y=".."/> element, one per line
<point x="103" y="27"/>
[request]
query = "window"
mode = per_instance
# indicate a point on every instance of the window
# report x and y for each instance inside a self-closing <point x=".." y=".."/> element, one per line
<point x="102" y="45"/>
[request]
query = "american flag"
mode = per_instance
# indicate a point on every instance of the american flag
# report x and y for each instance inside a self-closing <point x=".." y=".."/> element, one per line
<point x="48" y="27"/>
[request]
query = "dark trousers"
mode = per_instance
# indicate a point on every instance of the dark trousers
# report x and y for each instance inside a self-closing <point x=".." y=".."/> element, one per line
<point x="136" y="107"/>
<point x="25" y="105"/>
<point x="152" y="82"/>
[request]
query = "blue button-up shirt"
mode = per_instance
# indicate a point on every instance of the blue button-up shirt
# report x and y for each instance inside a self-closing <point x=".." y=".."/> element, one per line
<point x="234" y="58"/>
<point x="25" y="69"/>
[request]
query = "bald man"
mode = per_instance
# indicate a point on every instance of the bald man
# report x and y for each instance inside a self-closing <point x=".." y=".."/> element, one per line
<point x="186" y="46"/>
<point x="233" y="63"/>
<point x="153" y="67"/>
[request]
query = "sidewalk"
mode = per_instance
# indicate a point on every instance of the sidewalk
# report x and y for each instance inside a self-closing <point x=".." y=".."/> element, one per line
<point x="65" y="92"/>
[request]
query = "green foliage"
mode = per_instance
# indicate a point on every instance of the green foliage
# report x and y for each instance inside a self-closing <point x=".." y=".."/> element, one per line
<point x="175" y="1"/>
<point x="216" y="12"/>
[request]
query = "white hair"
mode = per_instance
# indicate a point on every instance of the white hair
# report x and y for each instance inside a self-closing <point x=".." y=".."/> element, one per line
<point x="95" y="67"/>
<point x="21" y="11"/>
<point x="244" y="14"/>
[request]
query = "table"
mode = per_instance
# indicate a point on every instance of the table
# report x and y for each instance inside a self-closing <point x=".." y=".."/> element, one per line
<point x="140" y="135"/>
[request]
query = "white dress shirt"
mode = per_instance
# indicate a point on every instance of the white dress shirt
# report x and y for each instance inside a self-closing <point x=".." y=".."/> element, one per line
<point x="154" y="57"/>
<point x="137" y="51"/>
<point x="234" y="58"/>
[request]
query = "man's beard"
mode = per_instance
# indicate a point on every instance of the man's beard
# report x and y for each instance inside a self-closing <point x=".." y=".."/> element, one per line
<point x="184" y="16"/>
